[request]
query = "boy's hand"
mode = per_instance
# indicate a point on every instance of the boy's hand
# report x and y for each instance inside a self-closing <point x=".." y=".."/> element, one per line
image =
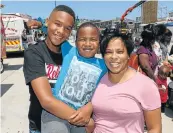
<point x="82" y="116"/>
<point x="79" y="118"/>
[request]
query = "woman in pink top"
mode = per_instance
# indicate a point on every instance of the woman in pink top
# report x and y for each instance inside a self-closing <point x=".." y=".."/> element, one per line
<point x="124" y="98"/>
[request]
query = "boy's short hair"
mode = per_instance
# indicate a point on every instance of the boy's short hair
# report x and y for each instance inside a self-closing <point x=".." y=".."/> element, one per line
<point x="66" y="9"/>
<point x="87" y="24"/>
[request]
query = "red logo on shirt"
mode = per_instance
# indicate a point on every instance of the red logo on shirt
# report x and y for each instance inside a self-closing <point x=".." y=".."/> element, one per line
<point x="52" y="71"/>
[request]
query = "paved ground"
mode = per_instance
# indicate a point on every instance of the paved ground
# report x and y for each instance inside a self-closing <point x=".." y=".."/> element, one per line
<point x="14" y="100"/>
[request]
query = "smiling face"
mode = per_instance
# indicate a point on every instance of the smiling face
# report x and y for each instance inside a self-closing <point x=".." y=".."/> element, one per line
<point x="87" y="41"/>
<point x="116" y="56"/>
<point x="59" y="28"/>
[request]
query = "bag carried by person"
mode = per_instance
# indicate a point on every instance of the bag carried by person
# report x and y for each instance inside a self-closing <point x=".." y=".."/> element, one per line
<point x="134" y="62"/>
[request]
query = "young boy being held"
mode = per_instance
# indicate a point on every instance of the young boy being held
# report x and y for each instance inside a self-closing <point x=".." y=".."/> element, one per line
<point x="163" y="73"/>
<point x="78" y="79"/>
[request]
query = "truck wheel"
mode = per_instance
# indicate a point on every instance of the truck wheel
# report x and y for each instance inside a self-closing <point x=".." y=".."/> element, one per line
<point x="2" y="66"/>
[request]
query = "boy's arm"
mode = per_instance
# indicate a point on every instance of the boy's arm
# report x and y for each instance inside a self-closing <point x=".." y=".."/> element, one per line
<point x="61" y="110"/>
<point x="43" y="92"/>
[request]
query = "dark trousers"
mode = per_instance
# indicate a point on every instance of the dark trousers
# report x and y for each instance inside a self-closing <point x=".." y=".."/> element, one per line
<point x="163" y="107"/>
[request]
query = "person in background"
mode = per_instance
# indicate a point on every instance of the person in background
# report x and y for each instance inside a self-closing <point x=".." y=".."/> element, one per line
<point x="24" y="39"/>
<point x="124" y="98"/>
<point x="164" y="43"/>
<point x="147" y="57"/>
<point x="161" y="80"/>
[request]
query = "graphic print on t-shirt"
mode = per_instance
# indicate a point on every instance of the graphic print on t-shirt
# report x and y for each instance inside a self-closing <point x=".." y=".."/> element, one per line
<point x="52" y="72"/>
<point x="79" y="83"/>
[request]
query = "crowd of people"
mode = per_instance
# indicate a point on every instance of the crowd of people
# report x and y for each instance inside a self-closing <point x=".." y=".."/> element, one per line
<point x="155" y="60"/>
<point x="72" y="91"/>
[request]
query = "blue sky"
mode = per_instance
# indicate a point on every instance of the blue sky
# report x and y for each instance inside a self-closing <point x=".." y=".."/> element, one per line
<point x="103" y="10"/>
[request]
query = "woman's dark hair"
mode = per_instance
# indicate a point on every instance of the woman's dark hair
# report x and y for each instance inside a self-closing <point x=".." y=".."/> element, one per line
<point x="109" y="36"/>
<point x="151" y="33"/>
<point x="148" y="32"/>
<point x="147" y="43"/>
<point x="168" y="33"/>
<point x="166" y="38"/>
<point x="87" y="24"/>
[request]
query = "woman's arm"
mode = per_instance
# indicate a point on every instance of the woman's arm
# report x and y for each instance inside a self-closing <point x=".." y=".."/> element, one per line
<point x="145" y="66"/>
<point x="153" y="120"/>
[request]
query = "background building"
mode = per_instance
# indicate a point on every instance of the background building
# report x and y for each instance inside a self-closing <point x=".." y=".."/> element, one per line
<point x="149" y="12"/>
<point x="114" y="23"/>
<point x="107" y="23"/>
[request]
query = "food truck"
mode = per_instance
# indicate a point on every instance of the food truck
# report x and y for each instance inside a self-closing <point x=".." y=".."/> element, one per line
<point x="15" y="29"/>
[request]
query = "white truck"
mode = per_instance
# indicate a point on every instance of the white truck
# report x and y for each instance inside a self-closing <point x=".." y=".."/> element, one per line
<point x="15" y="31"/>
